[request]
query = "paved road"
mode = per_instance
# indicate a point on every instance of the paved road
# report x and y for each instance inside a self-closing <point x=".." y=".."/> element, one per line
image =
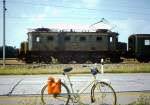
<point x="126" y="85"/>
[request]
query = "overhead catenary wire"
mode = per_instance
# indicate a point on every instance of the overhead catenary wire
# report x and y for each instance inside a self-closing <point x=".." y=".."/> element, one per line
<point x="80" y="8"/>
<point x="121" y="3"/>
<point x="72" y="7"/>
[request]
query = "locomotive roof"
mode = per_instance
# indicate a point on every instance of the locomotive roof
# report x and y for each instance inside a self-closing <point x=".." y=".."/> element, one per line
<point x="139" y="35"/>
<point x="47" y="30"/>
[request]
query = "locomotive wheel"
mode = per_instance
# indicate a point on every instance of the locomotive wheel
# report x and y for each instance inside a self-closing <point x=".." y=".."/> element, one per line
<point x="140" y="59"/>
<point x="47" y="60"/>
<point x="95" y="60"/>
<point x="63" y="60"/>
<point x="29" y="61"/>
<point x="143" y="59"/>
<point x="115" y="60"/>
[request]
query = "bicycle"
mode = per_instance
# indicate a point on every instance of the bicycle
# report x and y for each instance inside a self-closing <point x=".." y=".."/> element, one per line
<point x="101" y="92"/>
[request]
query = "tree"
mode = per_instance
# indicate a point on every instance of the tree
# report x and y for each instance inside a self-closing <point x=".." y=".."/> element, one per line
<point x="10" y="52"/>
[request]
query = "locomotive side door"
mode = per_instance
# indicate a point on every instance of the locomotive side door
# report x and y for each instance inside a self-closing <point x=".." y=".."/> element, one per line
<point x="60" y="41"/>
<point x="131" y="45"/>
<point x="111" y="43"/>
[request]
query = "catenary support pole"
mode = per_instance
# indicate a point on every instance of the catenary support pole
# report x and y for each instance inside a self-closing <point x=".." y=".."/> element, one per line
<point x="4" y="9"/>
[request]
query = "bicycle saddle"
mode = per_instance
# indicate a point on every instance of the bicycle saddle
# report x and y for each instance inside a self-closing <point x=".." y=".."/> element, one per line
<point x="68" y="69"/>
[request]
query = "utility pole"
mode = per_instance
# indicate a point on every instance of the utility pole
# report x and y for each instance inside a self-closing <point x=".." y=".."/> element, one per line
<point x="4" y="9"/>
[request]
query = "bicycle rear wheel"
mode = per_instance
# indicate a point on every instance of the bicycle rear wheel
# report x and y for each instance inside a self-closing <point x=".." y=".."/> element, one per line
<point x="103" y="94"/>
<point x="53" y="99"/>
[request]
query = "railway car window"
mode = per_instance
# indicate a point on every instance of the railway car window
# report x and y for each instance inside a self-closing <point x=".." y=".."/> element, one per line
<point x="110" y="39"/>
<point x="37" y="39"/>
<point x="67" y="38"/>
<point x="50" y="38"/>
<point x="82" y="38"/>
<point x="98" y="39"/>
<point x="146" y="42"/>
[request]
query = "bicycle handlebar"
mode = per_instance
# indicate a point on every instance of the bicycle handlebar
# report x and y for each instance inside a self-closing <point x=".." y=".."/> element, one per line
<point x="94" y="67"/>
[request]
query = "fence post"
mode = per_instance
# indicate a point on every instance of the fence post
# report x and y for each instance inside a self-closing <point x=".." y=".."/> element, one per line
<point x="102" y="64"/>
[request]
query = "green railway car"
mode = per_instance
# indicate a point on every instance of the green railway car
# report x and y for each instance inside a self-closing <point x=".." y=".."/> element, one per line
<point x="139" y="47"/>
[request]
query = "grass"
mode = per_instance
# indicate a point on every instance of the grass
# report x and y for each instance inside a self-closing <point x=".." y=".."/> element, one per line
<point x="141" y="101"/>
<point x="77" y="69"/>
<point x="128" y="68"/>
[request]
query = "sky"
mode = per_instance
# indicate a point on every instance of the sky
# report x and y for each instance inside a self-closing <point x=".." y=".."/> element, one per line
<point x="125" y="16"/>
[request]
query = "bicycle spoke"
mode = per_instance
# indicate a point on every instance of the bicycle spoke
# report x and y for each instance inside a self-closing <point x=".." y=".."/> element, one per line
<point x="55" y="99"/>
<point x="62" y="97"/>
<point x="104" y="94"/>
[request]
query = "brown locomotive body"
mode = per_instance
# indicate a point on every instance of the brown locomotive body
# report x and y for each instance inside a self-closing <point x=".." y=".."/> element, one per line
<point x="68" y="46"/>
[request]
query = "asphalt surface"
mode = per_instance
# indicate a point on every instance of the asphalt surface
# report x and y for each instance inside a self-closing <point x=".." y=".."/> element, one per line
<point x="26" y="89"/>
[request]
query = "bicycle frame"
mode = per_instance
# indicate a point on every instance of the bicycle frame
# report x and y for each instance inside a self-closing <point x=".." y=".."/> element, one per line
<point x="76" y="96"/>
<point x="88" y="85"/>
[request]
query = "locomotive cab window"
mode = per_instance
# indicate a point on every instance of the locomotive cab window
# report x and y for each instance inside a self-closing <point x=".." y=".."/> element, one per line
<point x="67" y="38"/>
<point x="82" y="38"/>
<point x="50" y="38"/>
<point x="146" y="42"/>
<point x="37" y="39"/>
<point x="110" y="39"/>
<point x="98" y="39"/>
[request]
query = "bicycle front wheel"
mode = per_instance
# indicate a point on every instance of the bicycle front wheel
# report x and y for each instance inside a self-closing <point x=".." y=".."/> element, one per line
<point x="55" y="99"/>
<point x="103" y="94"/>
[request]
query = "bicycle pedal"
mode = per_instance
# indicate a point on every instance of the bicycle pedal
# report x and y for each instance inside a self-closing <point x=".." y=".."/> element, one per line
<point x="92" y="100"/>
<point x="55" y="95"/>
